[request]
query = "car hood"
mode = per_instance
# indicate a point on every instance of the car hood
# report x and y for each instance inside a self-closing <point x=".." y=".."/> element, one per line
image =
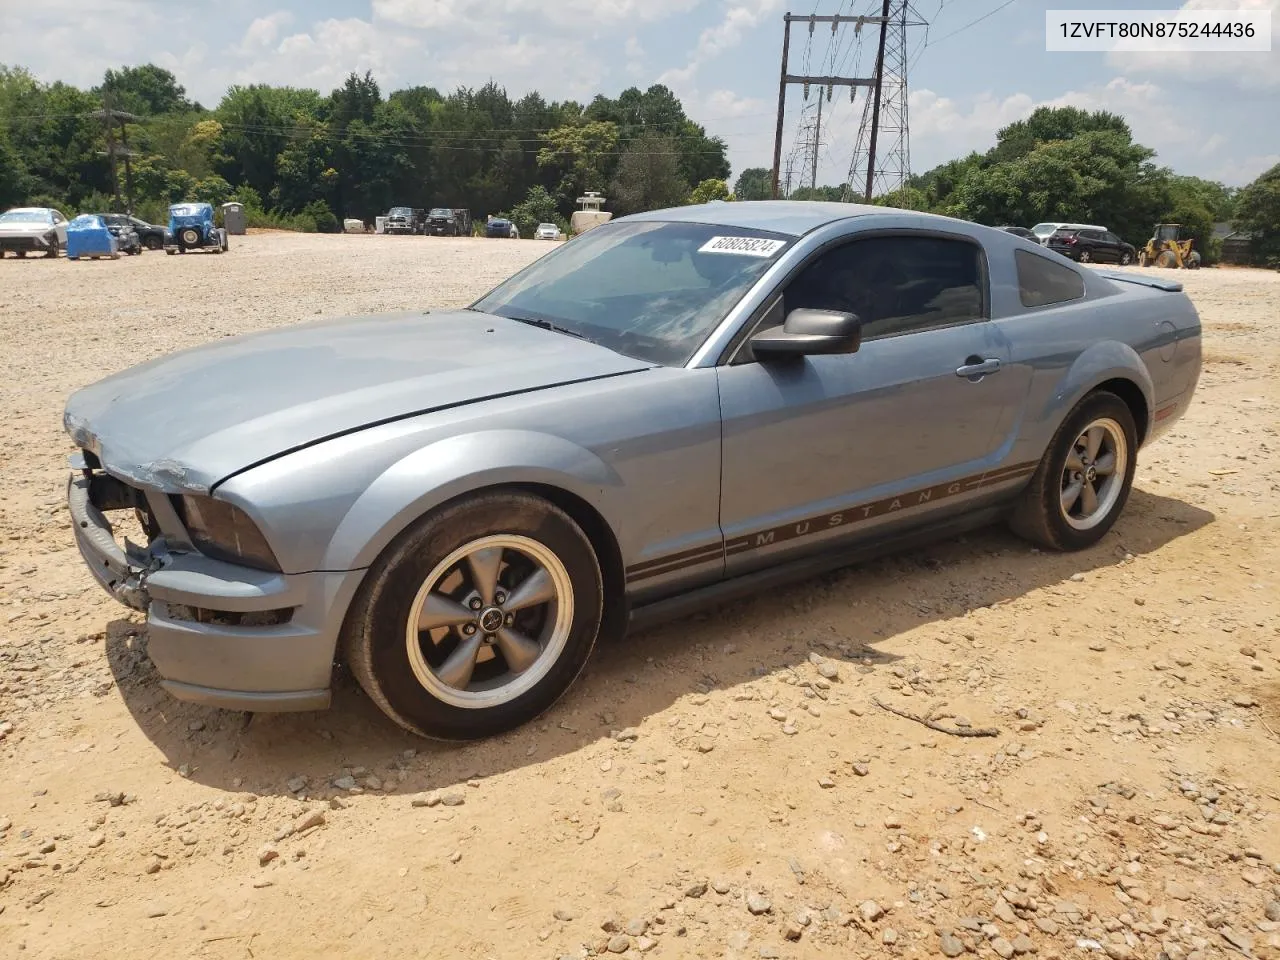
<point x="186" y="421"/>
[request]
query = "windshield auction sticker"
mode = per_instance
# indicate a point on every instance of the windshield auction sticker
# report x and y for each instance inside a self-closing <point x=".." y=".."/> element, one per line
<point x="743" y="246"/>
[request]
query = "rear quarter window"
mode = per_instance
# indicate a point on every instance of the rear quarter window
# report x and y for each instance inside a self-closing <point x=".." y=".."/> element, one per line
<point x="1042" y="281"/>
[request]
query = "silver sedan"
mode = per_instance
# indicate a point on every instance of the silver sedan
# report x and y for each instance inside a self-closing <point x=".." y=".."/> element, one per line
<point x="673" y="409"/>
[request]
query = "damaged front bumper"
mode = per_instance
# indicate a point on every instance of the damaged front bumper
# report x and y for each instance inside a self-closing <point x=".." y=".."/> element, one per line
<point x="218" y="633"/>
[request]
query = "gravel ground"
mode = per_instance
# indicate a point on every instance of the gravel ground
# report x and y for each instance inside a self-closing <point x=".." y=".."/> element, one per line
<point x="727" y="786"/>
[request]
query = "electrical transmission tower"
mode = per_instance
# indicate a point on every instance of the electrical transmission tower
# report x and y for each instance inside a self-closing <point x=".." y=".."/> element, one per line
<point x="881" y="160"/>
<point x="825" y="84"/>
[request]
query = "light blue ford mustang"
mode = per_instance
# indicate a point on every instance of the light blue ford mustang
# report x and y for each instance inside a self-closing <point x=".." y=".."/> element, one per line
<point x="670" y="409"/>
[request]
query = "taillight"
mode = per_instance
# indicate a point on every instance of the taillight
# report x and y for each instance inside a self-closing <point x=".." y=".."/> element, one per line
<point x="1071" y="239"/>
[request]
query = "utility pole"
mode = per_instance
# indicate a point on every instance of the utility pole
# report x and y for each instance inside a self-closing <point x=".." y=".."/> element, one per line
<point x="110" y="118"/>
<point x="824" y="83"/>
<point x="875" y="109"/>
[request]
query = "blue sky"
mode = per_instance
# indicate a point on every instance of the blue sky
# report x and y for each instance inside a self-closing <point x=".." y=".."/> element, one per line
<point x="1214" y="115"/>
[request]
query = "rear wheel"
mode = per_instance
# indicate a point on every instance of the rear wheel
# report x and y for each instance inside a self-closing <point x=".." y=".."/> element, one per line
<point x="478" y="618"/>
<point x="1125" y="259"/>
<point x="1084" y="256"/>
<point x="153" y="242"/>
<point x="1084" y="479"/>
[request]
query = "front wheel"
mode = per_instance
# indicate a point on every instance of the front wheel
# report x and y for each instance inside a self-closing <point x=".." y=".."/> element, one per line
<point x="1125" y="259"/>
<point x="1083" y="481"/>
<point x="153" y="242"/>
<point x="54" y="248"/>
<point x="477" y="618"/>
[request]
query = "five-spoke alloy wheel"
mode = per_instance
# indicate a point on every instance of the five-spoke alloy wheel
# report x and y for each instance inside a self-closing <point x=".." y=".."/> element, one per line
<point x="476" y="618"/>
<point x="1083" y="481"/>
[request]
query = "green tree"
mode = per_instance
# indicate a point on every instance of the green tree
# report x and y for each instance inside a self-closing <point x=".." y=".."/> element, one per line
<point x="538" y="206"/>
<point x="754" y="183"/>
<point x="648" y="176"/>
<point x="1258" y="212"/>
<point x="14" y="183"/>
<point x="579" y="156"/>
<point x="709" y="190"/>
<point x="147" y="90"/>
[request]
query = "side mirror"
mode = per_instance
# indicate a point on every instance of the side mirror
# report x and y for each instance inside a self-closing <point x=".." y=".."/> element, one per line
<point x="808" y="332"/>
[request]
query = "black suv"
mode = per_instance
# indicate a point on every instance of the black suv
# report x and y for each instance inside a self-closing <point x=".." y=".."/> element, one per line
<point x="1092" y="246"/>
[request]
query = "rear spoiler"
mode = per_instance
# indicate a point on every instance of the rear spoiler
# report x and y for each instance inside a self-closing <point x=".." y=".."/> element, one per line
<point x="1159" y="283"/>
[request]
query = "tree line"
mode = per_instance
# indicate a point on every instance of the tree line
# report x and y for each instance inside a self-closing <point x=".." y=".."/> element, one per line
<point x="298" y="158"/>
<point x="1070" y="165"/>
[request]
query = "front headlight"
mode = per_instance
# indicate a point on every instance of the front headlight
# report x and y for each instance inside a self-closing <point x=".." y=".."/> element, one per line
<point x="223" y="531"/>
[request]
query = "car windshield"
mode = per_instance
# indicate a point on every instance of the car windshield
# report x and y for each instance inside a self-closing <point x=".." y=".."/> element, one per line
<point x="652" y="290"/>
<point x="399" y="212"/>
<point x="546" y="226"/>
<point x="26" y="216"/>
<point x="442" y="212"/>
<point x="186" y="210"/>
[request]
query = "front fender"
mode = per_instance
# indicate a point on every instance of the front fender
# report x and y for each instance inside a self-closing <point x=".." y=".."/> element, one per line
<point x="457" y="465"/>
<point x="1103" y="361"/>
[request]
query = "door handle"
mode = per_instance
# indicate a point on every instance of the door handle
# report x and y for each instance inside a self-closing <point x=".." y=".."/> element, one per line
<point x="977" y="367"/>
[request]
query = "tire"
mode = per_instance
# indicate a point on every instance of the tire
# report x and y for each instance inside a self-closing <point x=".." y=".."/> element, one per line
<point x="1041" y="516"/>
<point x="190" y="237"/>
<point x="171" y="252"/>
<point x="398" y="668"/>
<point x="54" y="249"/>
<point x="1166" y="259"/>
<point x="1125" y="259"/>
<point x="153" y="243"/>
<point x="1084" y="256"/>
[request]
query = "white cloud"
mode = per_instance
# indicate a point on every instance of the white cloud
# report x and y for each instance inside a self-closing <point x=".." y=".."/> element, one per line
<point x="263" y="31"/>
<point x="322" y="56"/>
<point x="739" y="17"/>
<point x="580" y="16"/>
<point x="1247" y="71"/>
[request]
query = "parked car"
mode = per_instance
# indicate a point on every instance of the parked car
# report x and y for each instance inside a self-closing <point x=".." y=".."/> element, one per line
<point x="501" y="227"/>
<point x="405" y="220"/>
<point x="89" y="237"/>
<point x="191" y="227"/>
<point x="547" y="231"/>
<point x="151" y="234"/>
<point x="1021" y="232"/>
<point x="444" y="222"/>
<point x="1092" y="246"/>
<point x="123" y="229"/>
<point x="26" y="230"/>
<point x="676" y="408"/>
<point x="1043" y="231"/>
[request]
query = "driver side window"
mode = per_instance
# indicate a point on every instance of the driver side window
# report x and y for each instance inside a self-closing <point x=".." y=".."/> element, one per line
<point x="894" y="285"/>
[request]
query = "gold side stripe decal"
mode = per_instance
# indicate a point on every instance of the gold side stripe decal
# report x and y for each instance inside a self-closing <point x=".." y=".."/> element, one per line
<point x="828" y="521"/>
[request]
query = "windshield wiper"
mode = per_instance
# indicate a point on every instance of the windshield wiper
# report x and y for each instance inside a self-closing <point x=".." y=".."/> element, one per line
<point x="547" y="325"/>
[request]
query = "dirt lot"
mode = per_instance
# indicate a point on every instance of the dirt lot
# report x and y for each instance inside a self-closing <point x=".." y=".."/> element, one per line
<point x="726" y="786"/>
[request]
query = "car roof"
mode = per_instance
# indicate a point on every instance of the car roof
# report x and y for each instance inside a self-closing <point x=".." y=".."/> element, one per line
<point x="795" y="217"/>
<point x="29" y="210"/>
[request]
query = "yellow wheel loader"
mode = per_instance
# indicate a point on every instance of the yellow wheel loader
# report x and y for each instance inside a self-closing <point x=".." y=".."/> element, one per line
<point x="1168" y="248"/>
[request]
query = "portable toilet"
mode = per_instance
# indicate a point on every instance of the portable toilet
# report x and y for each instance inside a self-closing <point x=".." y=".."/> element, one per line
<point x="379" y="224"/>
<point x="233" y="218"/>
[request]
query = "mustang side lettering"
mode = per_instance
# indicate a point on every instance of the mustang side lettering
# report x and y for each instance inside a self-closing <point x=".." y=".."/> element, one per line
<point x="674" y="408"/>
